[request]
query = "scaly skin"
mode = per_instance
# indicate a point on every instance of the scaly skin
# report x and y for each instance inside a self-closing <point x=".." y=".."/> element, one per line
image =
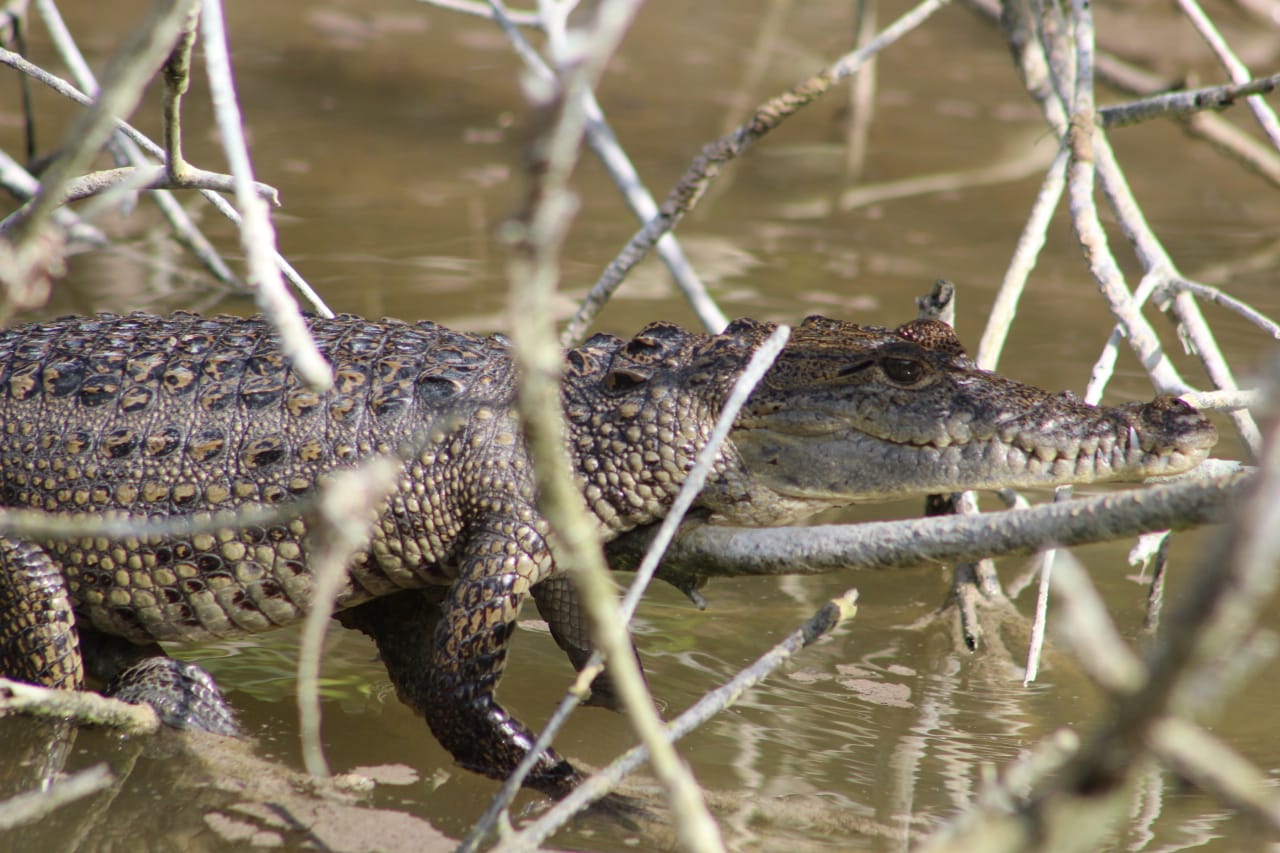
<point x="192" y="416"/>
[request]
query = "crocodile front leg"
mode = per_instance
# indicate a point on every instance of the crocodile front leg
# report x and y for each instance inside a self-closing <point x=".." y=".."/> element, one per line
<point x="469" y="652"/>
<point x="451" y="679"/>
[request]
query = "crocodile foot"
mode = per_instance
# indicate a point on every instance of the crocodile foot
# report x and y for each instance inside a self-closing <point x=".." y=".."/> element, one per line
<point x="183" y="695"/>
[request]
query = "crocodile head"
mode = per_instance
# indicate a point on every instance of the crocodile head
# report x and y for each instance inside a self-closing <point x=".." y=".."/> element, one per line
<point x="851" y="413"/>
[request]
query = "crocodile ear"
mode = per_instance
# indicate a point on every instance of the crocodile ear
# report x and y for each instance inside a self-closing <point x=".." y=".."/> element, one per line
<point x="932" y="335"/>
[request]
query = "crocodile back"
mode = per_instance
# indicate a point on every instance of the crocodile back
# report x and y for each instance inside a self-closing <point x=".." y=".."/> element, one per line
<point x="187" y="415"/>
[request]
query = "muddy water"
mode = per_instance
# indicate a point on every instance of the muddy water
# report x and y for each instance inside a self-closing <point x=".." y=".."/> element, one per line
<point x="394" y="133"/>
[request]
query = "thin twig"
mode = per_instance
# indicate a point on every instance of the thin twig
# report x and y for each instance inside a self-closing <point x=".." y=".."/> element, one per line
<point x="128" y="152"/>
<point x="1155" y="591"/>
<point x="1235" y="69"/>
<point x="158" y="177"/>
<point x="32" y="254"/>
<point x="687" y="191"/>
<point x="480" y="9"/>
<point x="828" y="617"/>
<point x="185" y="231"/>
<point x="345" y="514"/>
<point x="31" y="806"/>
<point x="257" y="235"/>
<point x="1160" y="269"/>
<point x="79" y="705"/>
<point x="177" y="79"/>
<point x="1225" y="401"/>
<point x="1216" y="296"/>
<point x="536" y="242"/>
<point x="1030" y="242"/>
<point x="604" y="144"/>
<point x="1176" y="104"/>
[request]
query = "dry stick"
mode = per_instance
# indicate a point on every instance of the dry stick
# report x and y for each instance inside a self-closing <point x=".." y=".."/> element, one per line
<point x="21" y="185"/>
<point x="761" y="360"/>
<point x="158" y="177"/>
<point x="129" y="71"/>
<point x="862" y="95"/>
<point x="1213" y="294"/>
<point x="257" y="235"/>
<point x="177" y="78"/>
<point x="78" y="705"/>
<point x="345" y="513"/>
<point x="1040" y="619"/>
<point x="606" y="147"/>
<point x="13" y="30"/>
<point x="709" y="551"/>
<point x="1030" y="242"/>
<point x="1185" y="103"/>
<point x="481" y="9"/>
<point x="1093" y="240"/>
<point x="184" y="230"/>
<point x="1235" y="69"/>
<point x="1225" y="401"/>
<point x="1160" y="271"/>
<point x="828" y="617"/>
<point x="1212" y="620"/>
<point x="1155" y="591"/>
<point x="1156" y="260"/>
<point x="1213" y="129"/>
<point x="127" y="151"/>
<point x="31" y="806"/>
<point x="30" y="255"/>
<point x="1216" y="768"/>
<point x="536" y="241"/>
<point x="1231" y="589"/>
<point x="684" y="196"/>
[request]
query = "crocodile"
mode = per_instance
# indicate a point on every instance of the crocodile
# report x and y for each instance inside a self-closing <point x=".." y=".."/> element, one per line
<point x="192" y="416"/>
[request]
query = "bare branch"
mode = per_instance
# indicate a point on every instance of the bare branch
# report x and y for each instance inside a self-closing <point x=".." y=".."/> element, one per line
<point x="707" y="551"/>
<point x="1178" y="104"/>
<point x="832" y="614"/>
<point x="689" y="189"/>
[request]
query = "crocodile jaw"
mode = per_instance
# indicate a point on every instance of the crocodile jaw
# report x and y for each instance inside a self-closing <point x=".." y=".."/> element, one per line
<point x="849" y="465"/>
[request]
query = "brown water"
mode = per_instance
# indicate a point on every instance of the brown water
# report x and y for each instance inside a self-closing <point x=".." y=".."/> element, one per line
<point x="394" y="134"/>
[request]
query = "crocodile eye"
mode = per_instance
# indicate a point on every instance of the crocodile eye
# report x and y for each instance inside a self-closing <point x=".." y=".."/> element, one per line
<point x="904" y="371"/>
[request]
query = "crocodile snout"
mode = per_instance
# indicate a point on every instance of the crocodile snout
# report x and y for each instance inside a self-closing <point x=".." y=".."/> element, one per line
<point x="1169" y="423"/>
